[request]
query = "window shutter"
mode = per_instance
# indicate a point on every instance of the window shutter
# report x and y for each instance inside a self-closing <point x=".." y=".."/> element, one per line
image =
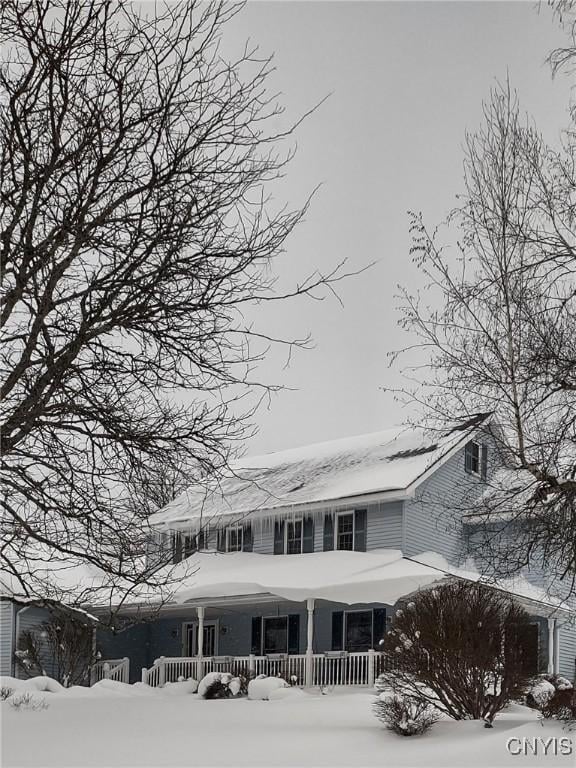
<point x="360" y="530"/>
<point x="189" y="545"/>
<point x="328" y="532"/>
<point x="293" y="633"/>
<point x="247" y="538"/>
<point x="468" y="457"/>
<point x="221" y="540"/>
<point x="484" y="462"/>
<point x="308" y="535"/>
<point x="279" y="537"/>
<point x="378" y="626"/>
<point x="338" y="630"/>
<point x="176" y="548"/>
<point x="202" y="539"/>
<point x="256" y="647"/>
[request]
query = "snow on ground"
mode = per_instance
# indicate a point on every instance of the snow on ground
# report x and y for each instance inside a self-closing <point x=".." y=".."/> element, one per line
<point x="118" y="725"/>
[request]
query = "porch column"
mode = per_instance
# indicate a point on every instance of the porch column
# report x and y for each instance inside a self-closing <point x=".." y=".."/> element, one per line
<point x="556" y="647"/>
<point x="551" y="633"/>
<point x="309" y="643"/>
<point x="200" y="640"/>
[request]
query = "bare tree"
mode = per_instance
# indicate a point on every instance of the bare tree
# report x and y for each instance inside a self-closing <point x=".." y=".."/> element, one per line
<point x="504" y="337"/>
<point x="60" y="647"/>
<point x="137" y="169"/>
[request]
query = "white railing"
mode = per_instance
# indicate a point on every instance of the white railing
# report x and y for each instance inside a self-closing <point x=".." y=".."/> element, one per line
<point x="111" y="669"/>
<point x="325" y="669"/>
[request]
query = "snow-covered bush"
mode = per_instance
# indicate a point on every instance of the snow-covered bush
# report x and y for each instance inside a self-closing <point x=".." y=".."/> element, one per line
<point x="27" y="701"/>
<point x="219" y="685"/>
<point x="405" y="715"/>
<point x="261" y="687"/>
<point x="554" y="696"/>
<point x="5" y="692"/>
<point x="381" y="683"/>
<point x="540" y="693"/>
<point x="458" y="648"/>
<point x="181" y="688"/>
<point x="292" y="692"/>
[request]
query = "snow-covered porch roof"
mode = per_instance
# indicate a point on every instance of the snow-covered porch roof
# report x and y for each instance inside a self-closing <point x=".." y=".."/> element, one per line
<point x="379" y="576"/>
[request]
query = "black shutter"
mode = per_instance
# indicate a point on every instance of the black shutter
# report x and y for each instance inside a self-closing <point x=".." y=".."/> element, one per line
<point x="222" y="540"/>
<point x="189" y="545"/>
<point x="328" y="532"/>
<point x="247" y="538"/>
<point x="484" y="462"/>
<point x="256" y="647"/>
<point x="176" y="548"/>
<point x="279" y="537"/>
<point x="360" y="530"/>
<point x="338" y="630"/>
<point x="308" y="535"/>
<point x="378" y="627"/>
<point x="293" y="633"/>
<point x="202" y="539"/>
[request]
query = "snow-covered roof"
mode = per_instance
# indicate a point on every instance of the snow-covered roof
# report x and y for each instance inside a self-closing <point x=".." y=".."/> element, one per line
<point x="381" y="575"/>
<point x="380" y="462"/>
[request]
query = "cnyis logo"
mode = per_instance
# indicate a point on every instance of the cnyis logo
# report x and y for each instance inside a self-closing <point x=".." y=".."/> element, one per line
<point x="538" y="745"/>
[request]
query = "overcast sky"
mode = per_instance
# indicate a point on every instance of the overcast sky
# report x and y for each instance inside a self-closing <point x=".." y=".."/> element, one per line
<point x="407" y="80"/>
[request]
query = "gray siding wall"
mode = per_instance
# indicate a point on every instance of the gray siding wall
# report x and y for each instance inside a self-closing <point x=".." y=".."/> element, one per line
<point x="568" y="651"/>
<point x="433" y="517"/>
<point x="7" y="610"/>
<point x="383" y="529"/>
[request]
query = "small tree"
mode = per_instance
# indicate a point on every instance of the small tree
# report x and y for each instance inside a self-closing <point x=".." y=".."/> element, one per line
<point x="61" y="647"/>
<point x="457" y="648"/>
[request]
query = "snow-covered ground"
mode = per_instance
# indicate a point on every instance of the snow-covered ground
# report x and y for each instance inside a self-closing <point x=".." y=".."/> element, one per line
<point x="116" y="725"/>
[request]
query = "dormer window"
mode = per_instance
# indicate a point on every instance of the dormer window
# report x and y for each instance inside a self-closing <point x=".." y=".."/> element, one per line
<point x="476" y="459"/>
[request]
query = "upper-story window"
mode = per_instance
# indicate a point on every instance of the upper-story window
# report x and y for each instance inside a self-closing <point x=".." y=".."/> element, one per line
<point x="345" y="531"/>
<point x="234" y="538"/>
<point x="294" y="535"/>
<point x="183" y="545"/>
<point x="476" y="459"/>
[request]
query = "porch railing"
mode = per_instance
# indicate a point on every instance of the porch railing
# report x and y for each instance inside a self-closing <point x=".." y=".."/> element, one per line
<point x="111" y="669"/>
<point x="324" y="669"/>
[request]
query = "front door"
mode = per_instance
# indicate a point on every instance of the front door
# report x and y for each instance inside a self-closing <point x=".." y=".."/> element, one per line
<point x="209" y="644"/>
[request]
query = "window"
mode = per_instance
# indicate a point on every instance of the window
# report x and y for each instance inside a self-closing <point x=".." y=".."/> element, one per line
<point x="294" y="531"/>
<point x="475" y="459"/>
<point x="358" y="631"/>
<point x="275" y="638"/>
<point x="234" y="539"/>
<point x="345" y="531"/>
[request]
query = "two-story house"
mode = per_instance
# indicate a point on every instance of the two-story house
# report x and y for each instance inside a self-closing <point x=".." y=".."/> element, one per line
<point x="294" y="562"/>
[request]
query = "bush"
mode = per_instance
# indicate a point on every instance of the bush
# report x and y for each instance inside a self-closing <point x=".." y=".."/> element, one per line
<point x="219" y="685"/>
<point x="245" y="675"/>
<point x="405" y="715"/>
<point x="5" y="692"/>
<point x="27" y="701"/>
<point x="457" y="647"/>
<point x="554" y="696"/>
<point x="60" y="648"/>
